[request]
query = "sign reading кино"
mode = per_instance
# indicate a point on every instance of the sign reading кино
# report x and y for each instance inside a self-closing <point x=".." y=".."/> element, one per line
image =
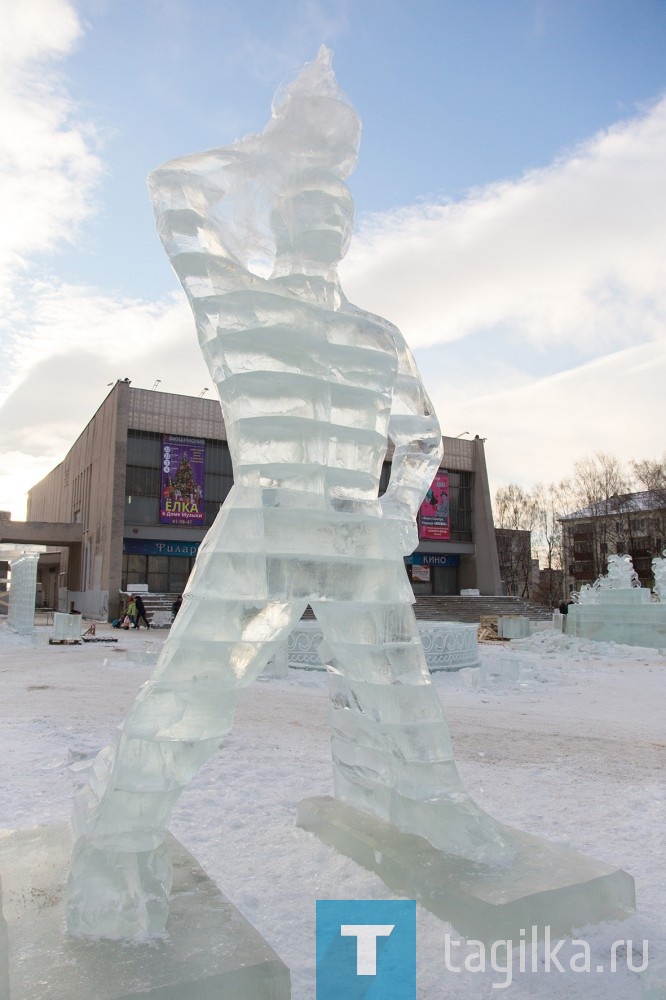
<point x="183" y="476"/>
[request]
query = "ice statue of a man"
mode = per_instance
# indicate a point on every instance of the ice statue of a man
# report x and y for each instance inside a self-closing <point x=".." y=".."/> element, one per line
<point x="312" y="389"/>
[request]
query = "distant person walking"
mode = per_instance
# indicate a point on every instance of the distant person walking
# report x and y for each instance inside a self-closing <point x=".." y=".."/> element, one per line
<point x="175" y="607"/>
<point x="140" y="612"/>
<point x="131" y="611"/>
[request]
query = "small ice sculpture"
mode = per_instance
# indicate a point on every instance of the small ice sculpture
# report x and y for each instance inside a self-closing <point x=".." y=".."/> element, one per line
<point x="659" y="574"/>
<point x="311" y="389"/>
<point x="621" y="576"/>
<point x="621" y="573"/>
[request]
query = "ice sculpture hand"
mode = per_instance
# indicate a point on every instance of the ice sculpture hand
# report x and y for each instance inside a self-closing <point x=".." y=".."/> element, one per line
<point x="400" y="524"/>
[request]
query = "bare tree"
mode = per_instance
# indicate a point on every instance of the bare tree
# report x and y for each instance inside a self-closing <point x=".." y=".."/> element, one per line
<point x="515" y="516"/>
<point x="548" y="542"/>
<point x="650" y="529"/>
<point x="593" y="492"/>
<point x="649" y="474"/>
<point x="597" y="479"/>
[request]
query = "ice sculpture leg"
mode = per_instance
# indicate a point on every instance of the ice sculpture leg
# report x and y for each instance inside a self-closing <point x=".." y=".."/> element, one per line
<point x="392" y="753"/>
<point x="220" y="641"/>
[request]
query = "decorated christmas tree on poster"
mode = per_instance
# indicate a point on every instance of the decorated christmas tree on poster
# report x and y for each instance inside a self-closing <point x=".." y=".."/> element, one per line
<point x="184" y="484"/>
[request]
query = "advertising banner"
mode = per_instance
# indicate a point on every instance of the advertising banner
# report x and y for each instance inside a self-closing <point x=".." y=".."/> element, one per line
<point x="183" y="477"/>
<point x="434" y="521"/>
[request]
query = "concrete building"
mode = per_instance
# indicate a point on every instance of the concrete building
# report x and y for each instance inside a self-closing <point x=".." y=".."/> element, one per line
<point x="146" y="477"/>
<point x="630" y="523"/>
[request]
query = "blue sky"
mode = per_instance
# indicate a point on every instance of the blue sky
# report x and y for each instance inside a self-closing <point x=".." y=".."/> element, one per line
<point x="511" y="206"/>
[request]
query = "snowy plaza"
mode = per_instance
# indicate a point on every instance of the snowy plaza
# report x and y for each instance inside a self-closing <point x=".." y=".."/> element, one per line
<point x="558" y="736"/>
<point x="396" y="728"/>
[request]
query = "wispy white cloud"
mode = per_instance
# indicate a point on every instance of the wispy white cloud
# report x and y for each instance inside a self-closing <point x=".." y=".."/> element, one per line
<point x="568" y="255"/>
<point x="536" y="431"/>
<point x="75" y="342"/>
<point x="48" y="165"/>
<point x="36" y="31"/>
<point x="61" y="344"/>
<point x="538" y="306"/>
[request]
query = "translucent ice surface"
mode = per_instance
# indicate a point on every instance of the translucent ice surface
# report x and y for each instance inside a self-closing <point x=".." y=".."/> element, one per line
<point x="21" y="612"/>
<point x="621" y="576"/>
<point x="615" y="608"/>
<point x="659" y="574"/>
<point x="312" y="389"/>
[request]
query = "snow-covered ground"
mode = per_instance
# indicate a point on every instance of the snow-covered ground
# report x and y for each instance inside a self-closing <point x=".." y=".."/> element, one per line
<point x="571" y="746"/>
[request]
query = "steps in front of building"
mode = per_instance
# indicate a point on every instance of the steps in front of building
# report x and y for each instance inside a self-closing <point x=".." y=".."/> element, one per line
<point x="470" y="609"/>
<point x="427" y="607"/>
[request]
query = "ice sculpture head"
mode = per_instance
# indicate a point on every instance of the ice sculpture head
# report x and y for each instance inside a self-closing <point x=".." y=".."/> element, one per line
<point x="313" y="220"/>
<point x="314" y="125"/>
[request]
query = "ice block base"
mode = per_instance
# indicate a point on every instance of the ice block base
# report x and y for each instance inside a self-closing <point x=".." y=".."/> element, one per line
<point x="210" y="950"/>
<point x="544" y="885"/>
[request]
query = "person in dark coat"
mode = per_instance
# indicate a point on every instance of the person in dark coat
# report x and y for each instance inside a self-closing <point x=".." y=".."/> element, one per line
<point x="140" y="612"/>
<point x="175" y="607"/>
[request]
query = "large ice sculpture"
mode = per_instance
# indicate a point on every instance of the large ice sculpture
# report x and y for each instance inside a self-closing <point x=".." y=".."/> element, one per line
<point x="616" y="608"/>
<point x="312" y="388"/>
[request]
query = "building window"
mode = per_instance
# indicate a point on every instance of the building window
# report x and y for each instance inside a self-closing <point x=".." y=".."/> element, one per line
<point x="460" y="500"/>
<point x="143" y="478"/>
<point x="163" y="574"/>
<point x="142" y="482"/>
<point x="144" y="449"/>
<point x="142" y="510"/>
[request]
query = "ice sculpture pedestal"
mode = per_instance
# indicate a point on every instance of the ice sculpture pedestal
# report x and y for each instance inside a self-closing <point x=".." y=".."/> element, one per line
<point x="210" y="949"/>
<point x="544" y="885"/>
<point x="447" y="645"/>
<point x="626" y="616"/>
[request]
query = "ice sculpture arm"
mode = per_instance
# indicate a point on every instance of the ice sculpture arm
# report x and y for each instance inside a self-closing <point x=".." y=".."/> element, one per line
<point x="202" y="221"/>
<point x="415" y="433"/>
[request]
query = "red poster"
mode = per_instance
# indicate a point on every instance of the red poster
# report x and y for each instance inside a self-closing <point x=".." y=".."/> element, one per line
<point x="434" y="516"/>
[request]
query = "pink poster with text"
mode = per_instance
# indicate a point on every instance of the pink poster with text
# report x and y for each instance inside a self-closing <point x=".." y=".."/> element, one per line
<point x="434" y="523"/>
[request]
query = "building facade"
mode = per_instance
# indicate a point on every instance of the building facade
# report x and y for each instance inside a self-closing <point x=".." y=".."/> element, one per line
<point x="146" y="478"/>
<point x="630" y="524"/>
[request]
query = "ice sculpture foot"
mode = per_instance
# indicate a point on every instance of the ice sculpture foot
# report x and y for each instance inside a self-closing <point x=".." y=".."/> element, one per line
<point x="456" y="825"/>
<point x="116" y="894"/>
<point x="450" y="820"/>
<point x="545" y="886"/>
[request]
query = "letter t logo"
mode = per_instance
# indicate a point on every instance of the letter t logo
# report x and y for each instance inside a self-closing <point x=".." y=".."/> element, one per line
<point x="366" y="944"/>
<point x="366" y="948"/>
